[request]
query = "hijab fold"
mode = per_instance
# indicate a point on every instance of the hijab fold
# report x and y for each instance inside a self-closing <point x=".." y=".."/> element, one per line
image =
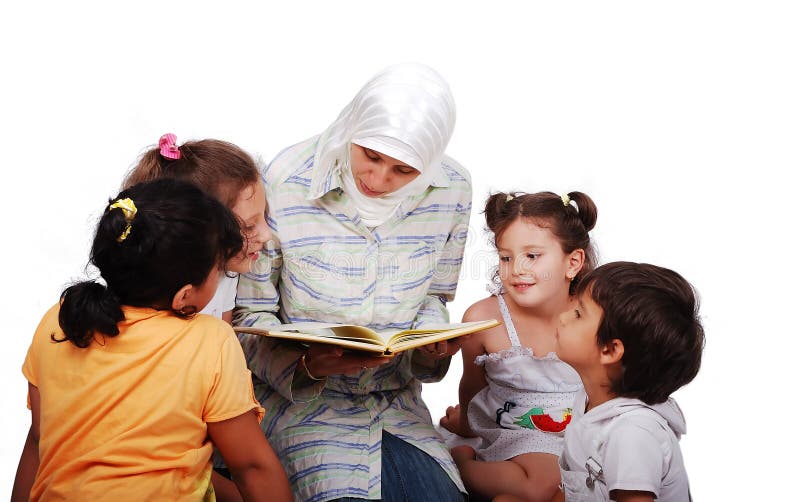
<point x="406" y="112"/>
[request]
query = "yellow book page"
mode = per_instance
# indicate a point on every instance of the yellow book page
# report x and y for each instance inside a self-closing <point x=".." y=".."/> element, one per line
<point x="344" y="331"/>
<point x="413" y="338"/>
<point x="365" y="344"/>
<point x="362" y="338"/>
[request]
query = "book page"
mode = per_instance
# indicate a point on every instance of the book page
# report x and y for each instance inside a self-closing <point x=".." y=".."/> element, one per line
<point x="364" y="344"/>
<point x="332" y="330"/>
<point x="409" y="339"/>
<point x="363" y="338"/>
<point x="431" y="329"/>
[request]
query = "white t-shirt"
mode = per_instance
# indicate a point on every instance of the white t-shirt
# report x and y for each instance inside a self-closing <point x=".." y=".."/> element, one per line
<point x="628" y="445"/>
<point x="224" y="298"/>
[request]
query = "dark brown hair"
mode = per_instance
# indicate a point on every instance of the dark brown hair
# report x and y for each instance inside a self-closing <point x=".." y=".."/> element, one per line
<point x="217" y="167"/>
<point x="569" y="224"/>
<point x="653" y="311"/>
<point x="178" y="234"/>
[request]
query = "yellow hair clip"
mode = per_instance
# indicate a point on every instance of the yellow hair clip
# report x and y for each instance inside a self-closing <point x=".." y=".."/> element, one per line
<point x="565" y="199"/>
<point x="129" y="211"/>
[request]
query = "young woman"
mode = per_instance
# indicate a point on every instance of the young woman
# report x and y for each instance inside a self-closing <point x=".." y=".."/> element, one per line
<point x="369" y="222"/>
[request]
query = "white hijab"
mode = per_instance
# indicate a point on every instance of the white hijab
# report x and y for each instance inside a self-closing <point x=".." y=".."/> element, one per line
<point x="406" y="112"/>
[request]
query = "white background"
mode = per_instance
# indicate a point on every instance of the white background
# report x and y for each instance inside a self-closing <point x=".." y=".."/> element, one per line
<point x="680" y="119"/>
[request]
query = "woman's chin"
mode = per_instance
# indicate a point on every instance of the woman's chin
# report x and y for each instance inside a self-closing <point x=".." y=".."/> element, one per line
<point x="367" y="192"/>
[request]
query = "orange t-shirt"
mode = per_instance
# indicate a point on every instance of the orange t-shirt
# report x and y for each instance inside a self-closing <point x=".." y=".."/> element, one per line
<point x="125" y="418"/>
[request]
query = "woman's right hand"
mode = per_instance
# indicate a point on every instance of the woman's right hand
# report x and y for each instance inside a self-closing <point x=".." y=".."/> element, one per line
<point x="325" y="360"/>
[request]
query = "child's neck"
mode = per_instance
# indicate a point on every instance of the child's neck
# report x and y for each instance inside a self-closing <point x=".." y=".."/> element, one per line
<point x="598" y="390"/>
<point x="536" y="326"/>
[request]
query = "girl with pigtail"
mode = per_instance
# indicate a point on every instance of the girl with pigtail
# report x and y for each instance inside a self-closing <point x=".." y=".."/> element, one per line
<point x="515" y="395"/>
<point x="127" y="387"/>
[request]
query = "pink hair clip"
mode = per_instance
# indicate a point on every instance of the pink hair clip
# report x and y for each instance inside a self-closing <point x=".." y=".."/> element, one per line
<point x="168" y="148"/>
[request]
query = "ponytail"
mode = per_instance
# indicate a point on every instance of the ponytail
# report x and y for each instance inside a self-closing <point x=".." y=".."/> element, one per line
<point x="86" y="308"/>
<point x="219" y="168"/>
<point x="148" y="168"/>
<point x="499" y="207"/>
<point x="587" y="210"/>
<point x="576" y="236"/>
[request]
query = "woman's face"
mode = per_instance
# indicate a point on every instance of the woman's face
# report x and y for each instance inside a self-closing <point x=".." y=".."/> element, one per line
<point x="377" y="174"/>
<point x="251" y="209"/>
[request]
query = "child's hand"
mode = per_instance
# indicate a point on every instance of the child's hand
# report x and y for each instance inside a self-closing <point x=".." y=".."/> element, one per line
<point x="452" y="418"/>
<point x="462" y="454"/>
<point x="452" y="421"/>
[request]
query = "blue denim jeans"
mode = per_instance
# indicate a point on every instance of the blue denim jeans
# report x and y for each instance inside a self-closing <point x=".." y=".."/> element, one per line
<point x="409" y="475"/>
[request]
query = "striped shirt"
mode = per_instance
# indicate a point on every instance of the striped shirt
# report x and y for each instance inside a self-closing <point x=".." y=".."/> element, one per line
<point x="328" y="266"/>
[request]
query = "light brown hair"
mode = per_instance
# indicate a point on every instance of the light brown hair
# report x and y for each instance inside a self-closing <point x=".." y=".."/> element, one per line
<point x="217" y="167"/>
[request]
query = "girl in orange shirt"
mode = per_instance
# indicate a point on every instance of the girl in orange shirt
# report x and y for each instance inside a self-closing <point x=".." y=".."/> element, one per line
<point x="128" y="387"/>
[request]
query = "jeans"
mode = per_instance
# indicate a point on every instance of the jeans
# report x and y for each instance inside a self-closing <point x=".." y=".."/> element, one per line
<point x="409" y="475"/>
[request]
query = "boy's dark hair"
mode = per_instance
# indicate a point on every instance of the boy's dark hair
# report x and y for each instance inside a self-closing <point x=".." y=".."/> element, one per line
<point x="177" y="236"/>
<point x="654" y="312"/>
<point x="569" y="224"/>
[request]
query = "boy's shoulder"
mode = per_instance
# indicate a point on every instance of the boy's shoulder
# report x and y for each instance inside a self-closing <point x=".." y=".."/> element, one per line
<point x="642" y="451"/>
<point x="662" y="418"/>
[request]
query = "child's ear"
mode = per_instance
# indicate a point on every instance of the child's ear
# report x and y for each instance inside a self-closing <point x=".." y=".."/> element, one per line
<point x="183" y="298"/>
<point x="575" y="263"/>
<point x="611" y="353"/>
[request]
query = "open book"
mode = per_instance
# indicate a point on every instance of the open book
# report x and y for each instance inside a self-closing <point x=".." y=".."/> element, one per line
<point x="351" y="336"/>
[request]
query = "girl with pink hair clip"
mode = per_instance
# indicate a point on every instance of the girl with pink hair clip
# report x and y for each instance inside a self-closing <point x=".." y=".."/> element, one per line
<point x="228" y="173"/>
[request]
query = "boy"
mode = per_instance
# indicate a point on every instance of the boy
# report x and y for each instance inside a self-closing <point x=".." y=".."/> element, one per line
<point x="634" y="338"/>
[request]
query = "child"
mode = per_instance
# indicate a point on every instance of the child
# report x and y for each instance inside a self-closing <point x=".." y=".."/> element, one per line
<point x="127" y="387"/>
<point x="515" y="394"/>
<point x="225" y="171"/>
<point x="635" y="338"/>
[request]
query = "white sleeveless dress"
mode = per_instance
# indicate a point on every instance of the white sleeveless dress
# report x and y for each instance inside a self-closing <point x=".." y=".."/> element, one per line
<point x="527" y="403"/>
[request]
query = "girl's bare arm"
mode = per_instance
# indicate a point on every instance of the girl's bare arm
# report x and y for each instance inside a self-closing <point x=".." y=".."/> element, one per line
<point x="29" y="460"/>
<point x="253" y="464"/>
